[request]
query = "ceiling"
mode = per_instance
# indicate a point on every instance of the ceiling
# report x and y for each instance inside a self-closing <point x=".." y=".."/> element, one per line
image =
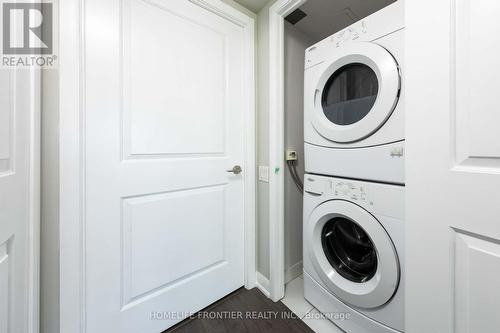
<point x="326" y="17"/>
<point x="253" y="5"/>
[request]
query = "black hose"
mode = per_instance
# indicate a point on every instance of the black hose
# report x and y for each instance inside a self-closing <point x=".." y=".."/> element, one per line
<point x="292" y="167"/>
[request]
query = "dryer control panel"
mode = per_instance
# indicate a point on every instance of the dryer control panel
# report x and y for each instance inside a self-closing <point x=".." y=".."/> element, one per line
<point x="349" y="34"/>
<point x="370" y="28"/>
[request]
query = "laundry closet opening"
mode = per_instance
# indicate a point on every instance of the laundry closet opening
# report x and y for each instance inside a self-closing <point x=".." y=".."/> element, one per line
<point x="312" y="22"/>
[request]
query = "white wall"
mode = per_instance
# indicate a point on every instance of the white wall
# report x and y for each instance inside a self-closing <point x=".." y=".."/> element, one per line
<point x="295" y="44"/>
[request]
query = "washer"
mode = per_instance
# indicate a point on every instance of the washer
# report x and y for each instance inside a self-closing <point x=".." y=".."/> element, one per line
<point x="353" y="251"/>
<point x="353" y="101"/>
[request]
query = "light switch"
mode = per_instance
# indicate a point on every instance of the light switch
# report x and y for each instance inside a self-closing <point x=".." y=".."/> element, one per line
<point x="263" y="174"/>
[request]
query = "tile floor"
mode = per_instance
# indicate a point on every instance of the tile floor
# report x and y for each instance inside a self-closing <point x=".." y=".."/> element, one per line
<point x="295" y="301"/>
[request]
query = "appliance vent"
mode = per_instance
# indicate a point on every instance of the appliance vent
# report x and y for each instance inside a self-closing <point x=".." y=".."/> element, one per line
<point x="295" y="16"/>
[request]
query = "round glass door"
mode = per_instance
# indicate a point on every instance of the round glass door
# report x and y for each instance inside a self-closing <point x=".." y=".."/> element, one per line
<point x="349" y="94"/>
<point x="352" y="254"/>
<point x="349" y="249"/>
<point x="356" y="92"/>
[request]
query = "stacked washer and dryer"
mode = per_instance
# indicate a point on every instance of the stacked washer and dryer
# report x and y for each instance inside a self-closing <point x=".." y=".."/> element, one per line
<point x="354" y="182"/>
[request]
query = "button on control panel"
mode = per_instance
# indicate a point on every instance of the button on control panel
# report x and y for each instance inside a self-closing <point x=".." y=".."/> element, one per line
<point x="351" y="191"/>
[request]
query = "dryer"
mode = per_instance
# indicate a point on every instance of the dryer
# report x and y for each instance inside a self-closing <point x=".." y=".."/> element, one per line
<point x="353" y="253"/>
<point x="354" y="101"/>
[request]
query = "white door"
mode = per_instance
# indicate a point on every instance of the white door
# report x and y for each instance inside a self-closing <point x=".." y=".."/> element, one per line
<point x="453" y="161"/>
<point x="19" y="177"/>
<point x="164" y="105"/>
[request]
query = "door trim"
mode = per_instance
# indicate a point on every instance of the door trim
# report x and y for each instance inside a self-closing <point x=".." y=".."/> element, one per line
<point x="34" y="197"/>
<point x="277" y="12"/>
<point x="72" y="156"/>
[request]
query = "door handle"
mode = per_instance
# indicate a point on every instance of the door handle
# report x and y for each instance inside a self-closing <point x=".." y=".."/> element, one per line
<point x="236" y="170"/>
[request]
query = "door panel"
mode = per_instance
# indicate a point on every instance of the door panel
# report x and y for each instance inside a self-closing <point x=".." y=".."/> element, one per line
<point x="184" y="73"/>
<point x="148" y="258"/>
<point x="19" y="148"/>
<point x="4" y="287"/>
<point x="453" y="167"/>
<point x="477" y="76"/>
<point x="477" y="267"/>
<point x="6" y="120"/>
<point x="164" y="107"/>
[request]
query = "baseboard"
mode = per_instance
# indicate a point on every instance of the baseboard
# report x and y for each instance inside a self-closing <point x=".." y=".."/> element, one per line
<point x="293" y="272"/>
<point x="263" y="284"/>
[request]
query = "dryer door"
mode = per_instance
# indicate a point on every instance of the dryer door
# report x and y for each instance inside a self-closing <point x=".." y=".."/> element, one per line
<point x="353" y="254"/>
<point x="356" y="93"/>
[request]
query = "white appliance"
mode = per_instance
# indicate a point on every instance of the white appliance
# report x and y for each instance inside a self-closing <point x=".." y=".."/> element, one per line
<point x="353" y="102"/>
<point x="353" y="253"/>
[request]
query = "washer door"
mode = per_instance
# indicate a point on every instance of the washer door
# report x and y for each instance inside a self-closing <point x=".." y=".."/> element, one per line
<point x="352" y="254"/>
<point x="356" y="93"/>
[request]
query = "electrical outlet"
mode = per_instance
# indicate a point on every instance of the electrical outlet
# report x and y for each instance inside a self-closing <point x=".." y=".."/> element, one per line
<point x="291" y="155"/>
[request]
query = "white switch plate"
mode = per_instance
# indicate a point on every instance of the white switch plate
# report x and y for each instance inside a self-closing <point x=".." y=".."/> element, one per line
<point x="263" y="174"/>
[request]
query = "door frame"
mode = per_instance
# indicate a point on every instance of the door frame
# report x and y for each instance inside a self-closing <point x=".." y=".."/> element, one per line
<point x="34" y="197"/>
<point x="277" y="13"/>
<point x="72" y="156"/>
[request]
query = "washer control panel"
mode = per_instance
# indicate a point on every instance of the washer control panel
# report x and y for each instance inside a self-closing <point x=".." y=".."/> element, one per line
<point x="336" y="188"/>
<point x="376" y="198"/>
<point x="351" y="191"/>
